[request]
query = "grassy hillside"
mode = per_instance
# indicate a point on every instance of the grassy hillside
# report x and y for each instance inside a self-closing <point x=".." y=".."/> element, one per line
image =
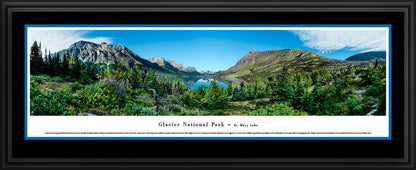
<point x="270" y="62"/>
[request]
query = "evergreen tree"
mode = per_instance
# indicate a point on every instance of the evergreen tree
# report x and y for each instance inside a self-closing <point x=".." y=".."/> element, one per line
<point x="46" y="61"/>
<point x="255" y="90"/>
<point x="298" y="93"/>
<point x="230" y="90"/>
<point x="76" y="70"/>
<point x="36" y="61"/>
<point x="49" y="64"/>
<point x="101" y="73"/>
<point x="65" y="64"/>
<point x="214" y="97"/>
<point x="368" y="75"/>
<point x="240" y="93"/>
<point x="56" y="65"/>
<point x="40" y="49"/>
<point x="151" y="76"/>
<point x="307" y="102"/>
<point x="309" y="81"/>
<point x="282" y="87"/>
<point x="325" y="77"/>
<point x="349" y="76"/>
<point x="316" y="77"/>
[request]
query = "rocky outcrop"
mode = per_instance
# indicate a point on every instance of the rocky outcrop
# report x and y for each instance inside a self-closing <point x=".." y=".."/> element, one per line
<point x="170" y="64"/>
<point x="105" y="53"/>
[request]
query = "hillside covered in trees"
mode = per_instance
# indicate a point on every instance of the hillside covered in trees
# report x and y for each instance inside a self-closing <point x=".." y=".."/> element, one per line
<point x="60" y="84"/>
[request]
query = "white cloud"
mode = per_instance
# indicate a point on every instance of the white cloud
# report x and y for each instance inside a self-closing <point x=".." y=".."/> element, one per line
<point x="330" y="40"/>
<point x="56" y="40"/>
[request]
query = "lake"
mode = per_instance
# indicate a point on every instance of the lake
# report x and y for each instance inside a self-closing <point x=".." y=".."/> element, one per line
<point x="196" y="82"/>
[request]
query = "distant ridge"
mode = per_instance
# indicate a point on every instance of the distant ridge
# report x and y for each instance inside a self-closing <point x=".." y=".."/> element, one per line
<point x="367" y="56"/>
<point x="172" y="65"/>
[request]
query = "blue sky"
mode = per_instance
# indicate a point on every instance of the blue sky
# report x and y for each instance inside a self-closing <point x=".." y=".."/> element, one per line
<point x="218" y="49"/>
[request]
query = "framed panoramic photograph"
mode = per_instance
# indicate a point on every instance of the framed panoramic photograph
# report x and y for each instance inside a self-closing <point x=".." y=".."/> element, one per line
<point x="205" y="84"/>
<point x="205" y="87"/>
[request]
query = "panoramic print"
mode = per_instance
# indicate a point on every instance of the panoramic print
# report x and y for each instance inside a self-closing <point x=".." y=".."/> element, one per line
<point x="207" y="71"/>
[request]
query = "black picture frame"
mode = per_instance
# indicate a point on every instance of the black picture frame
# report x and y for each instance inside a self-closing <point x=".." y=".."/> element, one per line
<point x="397" y="153"/>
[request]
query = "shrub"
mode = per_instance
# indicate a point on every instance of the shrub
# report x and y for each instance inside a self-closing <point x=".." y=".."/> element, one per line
<point x="99" y="95"/>
<point x="381" y="109"/>
<point x="117" y="112"/>
<point x="145" y="103"/>
<point x="58" y="79"/>
<point x="140" y="99"/>
<point x="84" y="79"/>
<point x="173" y="99"/>
<point x="172" y="108"/>
<point x="261" y="103"/>
<point x="240" y="94"/>
<point x="132" y="109"/>
<point x="139" y="92"/>
<point x="117" y="87"/>
<point x="330" y="107"/>
<point x="185" y="112"/>
<point x="261" y="93"/>
<point x="278" y="109"/>
<point x="75" y="86"/>
<point x="53" y="103"/>
<point x="52" y="85"/>
<point x="354" y="106"/>
<point x="191" y="99"/>
<point x="34" y="90"/>
<point x="40" y="79"/>
<point x="93" y="96"/>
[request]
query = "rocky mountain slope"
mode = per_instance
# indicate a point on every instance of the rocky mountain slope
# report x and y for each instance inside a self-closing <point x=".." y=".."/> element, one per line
<point x="105" y="53"/>
<point x="172" y="65"/>
<point x="269" y="62"/>
<point x="253" y="63"/>
<point x="121" y="55"/>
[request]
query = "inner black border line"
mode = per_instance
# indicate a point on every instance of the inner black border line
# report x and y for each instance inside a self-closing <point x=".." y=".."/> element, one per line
<point x="214" y="3"/>
<point x="3" y="75"/>
<point x="409" y="77"/>
<point x="9" y="82"/>
<point x="199" y="160"/>
<point x="412" y="47"/>
<point x="154" y="9"/>
<point x="406" y="85"/>
<point x="10" y="40"/>
<point x="347" y="135"/>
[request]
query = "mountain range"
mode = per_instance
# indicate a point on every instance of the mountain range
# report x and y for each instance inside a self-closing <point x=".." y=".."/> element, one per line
<point x="266" y="62"/>
<point x="207" y="72"/>
<point x="254" y="62"/>
<point x="105" y="53"/>
<point x="173" y="66"/>
<point x="121" y="55"/>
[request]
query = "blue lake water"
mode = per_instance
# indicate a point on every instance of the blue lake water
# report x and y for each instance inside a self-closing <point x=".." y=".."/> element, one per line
<point x="196" y="82"/>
